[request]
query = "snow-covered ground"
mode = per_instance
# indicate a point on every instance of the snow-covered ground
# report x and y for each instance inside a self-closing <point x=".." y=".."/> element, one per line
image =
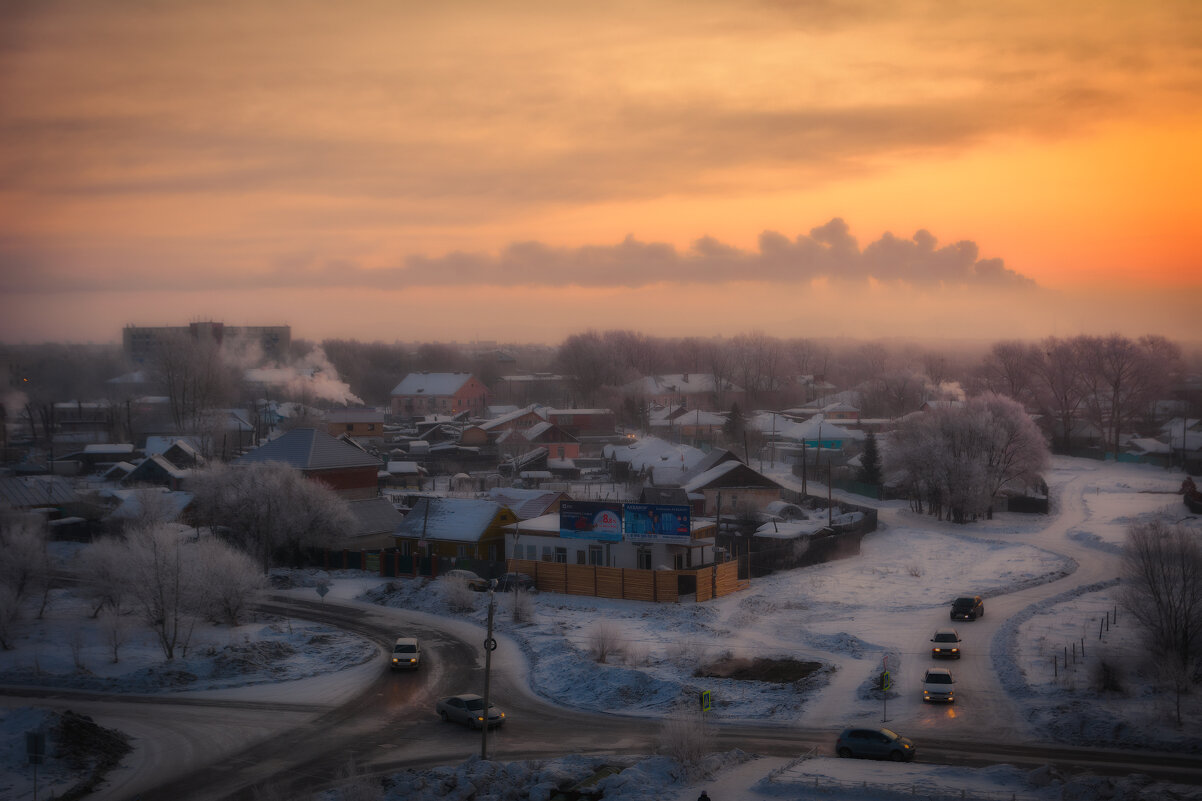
<point x="1050" y="589"/>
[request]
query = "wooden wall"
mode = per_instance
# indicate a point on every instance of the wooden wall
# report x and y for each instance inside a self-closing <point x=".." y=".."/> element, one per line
<point x="628" y="583"/>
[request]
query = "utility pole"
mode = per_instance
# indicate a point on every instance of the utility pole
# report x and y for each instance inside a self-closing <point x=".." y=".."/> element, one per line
<point x="490" y="645"/>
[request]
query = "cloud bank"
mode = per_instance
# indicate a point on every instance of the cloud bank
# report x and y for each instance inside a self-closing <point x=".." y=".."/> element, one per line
<point x="828" y="252"/>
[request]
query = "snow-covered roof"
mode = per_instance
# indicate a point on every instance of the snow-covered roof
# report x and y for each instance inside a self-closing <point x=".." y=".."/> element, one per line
<point x="451" y="519"/>
<point x="653" y="452"/>
<point x="109" y="449"/>
<point x="525" y="503"/>
<point x="790" y="529"/>
<point x="436" y="384"/>
<point x="710" y="476"/>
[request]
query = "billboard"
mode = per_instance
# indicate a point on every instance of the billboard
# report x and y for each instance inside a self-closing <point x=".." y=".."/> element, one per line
<point x="591" y="520"/>
<point x="654" y="522"/>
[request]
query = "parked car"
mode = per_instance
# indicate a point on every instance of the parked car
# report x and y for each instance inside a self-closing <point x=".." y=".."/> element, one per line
<point x="938" y="685"/>
<point x="468" y="710"/>
<point x="406" y="654"/>
<point x="947" y="644"/>
<point x="515" y="581"/>
<point x="874" y="744"/>
<point x="468" y="577"/>
<point x="968" y="607"/>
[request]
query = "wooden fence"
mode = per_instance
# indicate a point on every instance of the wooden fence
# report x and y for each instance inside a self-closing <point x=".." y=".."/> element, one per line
<point x="630" y="584"/>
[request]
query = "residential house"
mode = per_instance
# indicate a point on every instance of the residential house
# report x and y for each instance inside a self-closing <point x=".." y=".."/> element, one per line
<point x="691" y="390"/>
<point x="528" y="503"/>
<point x="336" y="462"/>
<point x="421" y="394"/>
<point x="655" y="460"/>
<point x="375" y="524"/>
<point x="732" y="488"/>
<point x="454" y="528"/>
<point x="355" y="423"/>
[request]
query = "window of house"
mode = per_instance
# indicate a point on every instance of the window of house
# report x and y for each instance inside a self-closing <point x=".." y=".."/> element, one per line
<point x="581" y="556"/>
<point x="678" y="561"/>
<point x="561" y="555"/>
<point x="547" y="553"/>
<point x="561" y="451"/>
<point x="594" y="555"/>
<point x="404" y="547"/>
<point x="643" y="558"/>
<point x="531" y="552"/>
<point x="461" y="551"/>
<point x="350" y="426"/>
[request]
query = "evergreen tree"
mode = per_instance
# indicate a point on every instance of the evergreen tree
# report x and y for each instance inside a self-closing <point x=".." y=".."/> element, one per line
<point x="870" y="462"/>
<point x="734" y="425"/>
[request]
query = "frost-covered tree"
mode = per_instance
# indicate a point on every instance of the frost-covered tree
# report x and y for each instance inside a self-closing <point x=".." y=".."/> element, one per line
<point x="958" y="459"/>
<point x="269" y="508"/>
<point x="163" y="584"/>
<point x="24" y="568"/>
<point x="229" y="581"/>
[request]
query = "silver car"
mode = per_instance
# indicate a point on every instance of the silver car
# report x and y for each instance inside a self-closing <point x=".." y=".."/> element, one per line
<point x="468" y="710"/>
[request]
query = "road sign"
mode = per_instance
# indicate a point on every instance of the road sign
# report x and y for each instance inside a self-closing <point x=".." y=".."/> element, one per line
<point x="322" y="589"/>
<point x="706" y="701"/>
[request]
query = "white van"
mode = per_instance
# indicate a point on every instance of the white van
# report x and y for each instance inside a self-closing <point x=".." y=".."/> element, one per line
<point x="406" y="654"/>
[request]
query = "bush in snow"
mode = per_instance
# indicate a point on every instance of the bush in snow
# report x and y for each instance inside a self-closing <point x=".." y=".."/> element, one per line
<point x="605" y="639"/>
<point x="521" y="606"/>
<point x="458" y="595"/>
<point x="686" y="737"/>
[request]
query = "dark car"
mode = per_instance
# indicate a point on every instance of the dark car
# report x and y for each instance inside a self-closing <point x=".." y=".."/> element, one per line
<point x="515" y="581"/>
<point x="468" y="710"/>
<point x="968" y="607"/>
<point x="946" y="644"/>
<point x="874" y="744"/>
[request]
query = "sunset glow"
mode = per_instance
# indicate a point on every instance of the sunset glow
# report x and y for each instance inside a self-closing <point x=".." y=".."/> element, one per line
<point x="521" y="171"/>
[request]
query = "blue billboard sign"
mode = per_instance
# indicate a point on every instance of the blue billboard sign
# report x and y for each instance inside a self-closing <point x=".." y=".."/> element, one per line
<point x="591" y="520"/>
<point x="654" y="522"/>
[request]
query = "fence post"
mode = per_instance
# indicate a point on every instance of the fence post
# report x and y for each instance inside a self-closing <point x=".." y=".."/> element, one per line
<point x="1082" y="647"/>
<point x="1100" y="624"/>
<point x="1055" y="669"/>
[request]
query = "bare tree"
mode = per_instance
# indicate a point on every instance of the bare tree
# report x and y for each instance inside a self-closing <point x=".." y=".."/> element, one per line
<point x="1162" y="589"/>
<point x="1123" y="377"/>
<point x="1058" y="381"/>
<point x="196" y="379"/>
<point x="1008" y="369"/>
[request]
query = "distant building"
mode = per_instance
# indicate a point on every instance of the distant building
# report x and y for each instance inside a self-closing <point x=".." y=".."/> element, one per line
<point x="274" y="341"/>
<point x="422" y="394"/>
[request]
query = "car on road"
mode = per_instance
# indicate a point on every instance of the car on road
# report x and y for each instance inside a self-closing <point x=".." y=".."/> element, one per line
<point x="874" y="744"/>
<point x="938" y="684"/>
<point x="469" y="710"/>
<point x="968" y="607"/>
<point x="946" y="644"/>
<point x="515" y="581"/>
<point x="473" y="581"/>
<point x="406" y="654"/>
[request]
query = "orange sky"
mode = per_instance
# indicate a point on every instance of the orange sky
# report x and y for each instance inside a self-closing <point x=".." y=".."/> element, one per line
<point x="520" y="171"/>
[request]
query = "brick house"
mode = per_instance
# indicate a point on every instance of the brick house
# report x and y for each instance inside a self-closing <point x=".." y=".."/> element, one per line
<point x="339" y="464"/>
<point x="421" y="394"/>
